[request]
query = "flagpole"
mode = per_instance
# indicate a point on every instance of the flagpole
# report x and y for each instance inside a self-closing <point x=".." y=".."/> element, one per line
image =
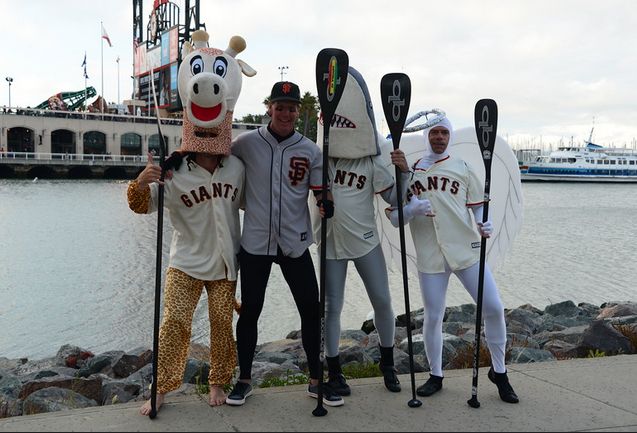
<point x="85" y="84"/>
<point x="118" y="80"/>
<point x="102" y="46"/>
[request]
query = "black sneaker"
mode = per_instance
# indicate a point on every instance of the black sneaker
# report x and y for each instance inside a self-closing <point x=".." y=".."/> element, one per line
<point x="339" y="385"/>
<point x="330" y="398"/>
<point x="391" y="378"/>
<point x="504" y="387"/>
<point x="432" y="386"/>
<point x="239" y="393"/>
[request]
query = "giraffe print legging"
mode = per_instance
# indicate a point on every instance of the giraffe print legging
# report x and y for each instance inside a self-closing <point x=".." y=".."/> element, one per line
<point x="182" y="293"/>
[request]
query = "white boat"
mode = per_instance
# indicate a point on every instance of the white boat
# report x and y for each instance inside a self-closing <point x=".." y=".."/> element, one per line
<point x="590" y="163"/>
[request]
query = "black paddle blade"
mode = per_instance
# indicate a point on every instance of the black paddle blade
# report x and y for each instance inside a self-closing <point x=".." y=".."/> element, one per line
<point x="331" y="74"/>
<point x="395" y="94"/>
<point x="486" y="123"/>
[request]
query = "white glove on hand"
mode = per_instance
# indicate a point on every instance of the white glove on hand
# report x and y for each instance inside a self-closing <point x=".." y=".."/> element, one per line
<point x="485" y="229"/>
<point x="419" y="207"/>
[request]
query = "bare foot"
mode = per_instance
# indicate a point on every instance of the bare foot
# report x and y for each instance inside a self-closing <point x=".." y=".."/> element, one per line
<point x="145" y="409"/>
<point x="217" y="396"/>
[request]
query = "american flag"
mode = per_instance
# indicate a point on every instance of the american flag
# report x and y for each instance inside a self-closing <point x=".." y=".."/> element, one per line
<point x="105" y="36"/>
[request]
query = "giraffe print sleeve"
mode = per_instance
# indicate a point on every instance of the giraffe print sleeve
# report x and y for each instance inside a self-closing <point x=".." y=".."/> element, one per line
<point x="138" y="199"/>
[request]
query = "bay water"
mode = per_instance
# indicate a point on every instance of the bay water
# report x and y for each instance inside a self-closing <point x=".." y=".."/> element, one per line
<point x="78" y="267"/>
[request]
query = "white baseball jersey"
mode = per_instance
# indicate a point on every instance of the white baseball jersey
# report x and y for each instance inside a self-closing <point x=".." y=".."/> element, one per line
<point x="279" y="178"/>
<point x="352" y="231"/>
<point x="204" y="212"/>
<point x="452" y="186"/>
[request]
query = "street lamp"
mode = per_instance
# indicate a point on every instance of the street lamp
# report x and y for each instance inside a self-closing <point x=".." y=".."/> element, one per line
<point x="9" y="80"/>
<point x="282" y="69"/>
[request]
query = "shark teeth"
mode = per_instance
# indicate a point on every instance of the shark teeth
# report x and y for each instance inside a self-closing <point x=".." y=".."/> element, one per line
<point x="339" y="121"/>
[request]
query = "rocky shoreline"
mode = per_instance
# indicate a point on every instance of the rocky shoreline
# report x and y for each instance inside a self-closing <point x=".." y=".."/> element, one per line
<point x="76" y="378"/>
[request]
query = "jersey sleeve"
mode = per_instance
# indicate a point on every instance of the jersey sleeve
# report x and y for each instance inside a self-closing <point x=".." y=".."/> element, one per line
<point x="475" y="187"/>
<point x="316" y="170"/>
<point x="383" y="179"/>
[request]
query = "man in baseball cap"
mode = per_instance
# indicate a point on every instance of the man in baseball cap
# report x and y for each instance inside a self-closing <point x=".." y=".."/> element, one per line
<point x="282" y="167"/>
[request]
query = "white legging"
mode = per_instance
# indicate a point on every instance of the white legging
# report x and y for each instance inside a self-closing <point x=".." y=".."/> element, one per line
<point x="434" y="291"/>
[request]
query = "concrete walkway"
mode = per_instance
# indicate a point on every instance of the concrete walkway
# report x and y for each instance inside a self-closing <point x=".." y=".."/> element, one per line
<point x="598" y="394"/>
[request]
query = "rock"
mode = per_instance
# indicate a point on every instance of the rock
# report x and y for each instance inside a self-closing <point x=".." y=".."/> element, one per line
<point x="196" y="372"/>
<point x="566" y="308"/>
<point x="115" y="392"/>
<point x="91" y="388"/>
<point x="54" y="399"/>
<point x="601" y="336"/>
<point x="10" y="386"/>
<point x="561" y="349"/>
<point x="618" y="310"/>
<point x="465" y="313"/>
<point x="195" y="351"/>
<point x="523" y="355"/>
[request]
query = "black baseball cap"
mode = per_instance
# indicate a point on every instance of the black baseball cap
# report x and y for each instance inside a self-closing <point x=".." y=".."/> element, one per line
<point x="285" y="91"/>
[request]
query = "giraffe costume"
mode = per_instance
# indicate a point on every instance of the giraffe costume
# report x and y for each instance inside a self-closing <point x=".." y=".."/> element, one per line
<point x="202" y="197"/>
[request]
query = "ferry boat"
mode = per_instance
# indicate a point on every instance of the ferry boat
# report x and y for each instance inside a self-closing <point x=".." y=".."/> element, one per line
<point x="590" y="163"/>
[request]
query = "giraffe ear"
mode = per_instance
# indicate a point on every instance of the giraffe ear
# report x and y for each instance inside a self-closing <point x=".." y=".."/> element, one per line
<point x="247" y="70"/>
<point x="186" y="49"/>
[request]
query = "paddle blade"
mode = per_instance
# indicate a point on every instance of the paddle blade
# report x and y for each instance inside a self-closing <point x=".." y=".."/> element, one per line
<point x="395" y="94"/>
<point x="486" y="123"/>
<point x="331" y="74"/>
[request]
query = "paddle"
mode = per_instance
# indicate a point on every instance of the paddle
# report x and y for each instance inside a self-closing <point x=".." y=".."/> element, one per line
<point x="331" y="74"/>
<point x="395" y="94"/>
<point x="160" y="227"/>
<point x="486" y="123"/>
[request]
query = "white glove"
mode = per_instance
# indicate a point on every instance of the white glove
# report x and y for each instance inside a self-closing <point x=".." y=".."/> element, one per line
<point x="417" y="207"/>
<point x="485" y="229"/>
<point x="414" y="208"/>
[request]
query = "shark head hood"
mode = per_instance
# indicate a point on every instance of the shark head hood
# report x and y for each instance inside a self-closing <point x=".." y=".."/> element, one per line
<point x="353" y="132"/>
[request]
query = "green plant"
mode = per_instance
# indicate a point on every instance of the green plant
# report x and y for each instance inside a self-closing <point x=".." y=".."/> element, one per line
<point x="201" y="387"/>
<point x="288" y="379"/>
<point x="597" y="354"/>
<point x="361" y="370"/>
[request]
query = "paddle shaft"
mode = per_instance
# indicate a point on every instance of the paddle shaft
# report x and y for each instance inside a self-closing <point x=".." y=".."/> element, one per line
<point x="331" y="75"/>
<point x="158" y="259"/>
<point x="395" y="89"/>
<point x="486" y="123"/>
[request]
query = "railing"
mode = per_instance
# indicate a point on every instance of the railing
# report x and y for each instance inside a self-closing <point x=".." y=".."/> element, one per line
<point x="110" y="117"/>
<point x="71" y="159"/>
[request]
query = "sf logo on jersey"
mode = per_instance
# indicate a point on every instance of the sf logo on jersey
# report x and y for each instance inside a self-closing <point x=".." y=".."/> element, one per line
<point x="298" y="167"/>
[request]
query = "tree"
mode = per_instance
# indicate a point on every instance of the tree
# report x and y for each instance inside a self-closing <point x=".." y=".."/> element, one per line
<point x="252" y="118"/>
<point x="308" y="116"/>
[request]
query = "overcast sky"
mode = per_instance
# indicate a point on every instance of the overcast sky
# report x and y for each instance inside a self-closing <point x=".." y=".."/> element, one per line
<point x="552" y="65"/>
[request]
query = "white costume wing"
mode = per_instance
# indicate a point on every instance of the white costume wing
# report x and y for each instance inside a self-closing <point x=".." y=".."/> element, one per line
<point x="505" y="207"/>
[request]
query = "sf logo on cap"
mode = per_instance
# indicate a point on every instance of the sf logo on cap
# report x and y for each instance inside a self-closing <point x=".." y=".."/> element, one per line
<point x="287" y="88"/>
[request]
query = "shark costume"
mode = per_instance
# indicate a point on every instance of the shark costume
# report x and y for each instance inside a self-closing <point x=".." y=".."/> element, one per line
<point x="356" y="174"/>
<point x="203" y="205"/>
